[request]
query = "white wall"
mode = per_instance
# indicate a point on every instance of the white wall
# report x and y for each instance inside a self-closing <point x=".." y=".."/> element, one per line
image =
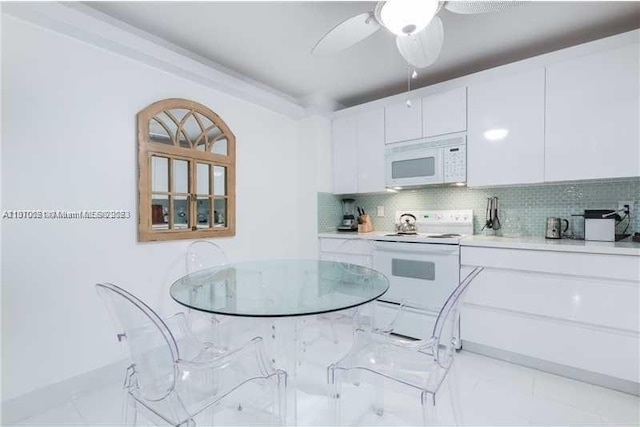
<point x="69" y="142"/>
<point x="314" y="170"/>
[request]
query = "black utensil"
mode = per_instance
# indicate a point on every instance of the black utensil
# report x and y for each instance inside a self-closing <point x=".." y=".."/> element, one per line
<point x="496" y="220"/>
<point x="488" y="220"/>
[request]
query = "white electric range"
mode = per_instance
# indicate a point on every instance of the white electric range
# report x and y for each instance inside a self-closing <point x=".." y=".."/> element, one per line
<point x="423" y="269"/>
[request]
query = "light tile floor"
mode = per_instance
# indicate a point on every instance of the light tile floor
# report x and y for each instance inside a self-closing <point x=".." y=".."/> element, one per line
<point x="491" y="393"/>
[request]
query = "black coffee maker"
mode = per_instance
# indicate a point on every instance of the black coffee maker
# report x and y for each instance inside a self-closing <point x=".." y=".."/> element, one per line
<point x="349" y="222"/>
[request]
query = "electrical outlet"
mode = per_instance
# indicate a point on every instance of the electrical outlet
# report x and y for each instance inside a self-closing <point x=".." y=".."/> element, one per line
<point x="380" y="210"/>
<point x="621" y="205"/>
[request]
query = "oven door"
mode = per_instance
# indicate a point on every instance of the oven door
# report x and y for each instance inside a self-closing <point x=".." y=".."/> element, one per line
<point x="422" y="274"/>
<point x="407" y="165"/>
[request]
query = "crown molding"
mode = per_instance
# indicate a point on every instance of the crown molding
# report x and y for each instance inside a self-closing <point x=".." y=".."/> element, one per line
<point x="94" y="27"/>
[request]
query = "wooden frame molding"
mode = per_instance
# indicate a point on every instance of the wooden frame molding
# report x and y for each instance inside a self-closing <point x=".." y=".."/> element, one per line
<point x="194" y="153"/>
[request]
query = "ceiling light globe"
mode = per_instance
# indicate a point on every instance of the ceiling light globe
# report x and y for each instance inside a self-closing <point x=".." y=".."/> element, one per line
<point x="406" y="17"/>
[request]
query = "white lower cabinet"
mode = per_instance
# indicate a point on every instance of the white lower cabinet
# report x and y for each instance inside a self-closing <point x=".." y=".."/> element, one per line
<point x="576" y="314"/>
<point x="350" y="250"/>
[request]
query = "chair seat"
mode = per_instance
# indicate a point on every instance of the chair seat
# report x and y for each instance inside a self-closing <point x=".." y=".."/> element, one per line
<point x="394" y="358"/>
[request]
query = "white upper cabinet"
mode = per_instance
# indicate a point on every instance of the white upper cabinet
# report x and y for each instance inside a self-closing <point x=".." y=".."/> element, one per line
<point x="370" y="143"/>
<point x="358" y="153"/>
<point x="345" y="155"/>
<point x="444" y="112"/>
<point x="505" y="136"/>
<point x="403" y="123"/>
<point x="592" y="116"/>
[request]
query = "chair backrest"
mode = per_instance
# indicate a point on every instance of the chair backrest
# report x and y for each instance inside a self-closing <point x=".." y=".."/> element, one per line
<point x="152" y="346"/>
<point x="444" y="330"/>
<point x="203" y="254"/>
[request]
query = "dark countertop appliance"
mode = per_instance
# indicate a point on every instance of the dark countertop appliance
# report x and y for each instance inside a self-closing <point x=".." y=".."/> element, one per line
<point x="349" y="222"/>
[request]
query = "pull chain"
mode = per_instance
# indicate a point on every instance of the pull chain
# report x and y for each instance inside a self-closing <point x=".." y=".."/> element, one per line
<point x="410" y="76"/>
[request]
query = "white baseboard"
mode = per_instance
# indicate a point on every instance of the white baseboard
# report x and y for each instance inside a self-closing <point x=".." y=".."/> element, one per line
<point x="595" y="378"/>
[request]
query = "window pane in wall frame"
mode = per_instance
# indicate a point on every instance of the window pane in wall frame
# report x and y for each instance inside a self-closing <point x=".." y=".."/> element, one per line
<point x="203" y="178"/>
<point x="219" y="181"/>
<point x="219" y="212"/>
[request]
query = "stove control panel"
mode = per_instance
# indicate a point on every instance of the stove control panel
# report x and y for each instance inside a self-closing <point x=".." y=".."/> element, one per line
<point x="440" y="217"/>
<point x="439" y="222"/>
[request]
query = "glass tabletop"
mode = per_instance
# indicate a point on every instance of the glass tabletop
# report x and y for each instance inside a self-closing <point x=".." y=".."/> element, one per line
<point x="275" y="288"/>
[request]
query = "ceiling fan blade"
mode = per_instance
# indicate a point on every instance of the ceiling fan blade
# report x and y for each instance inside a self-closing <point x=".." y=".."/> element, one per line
<point x="422" y="49"/>
<point x="473" y="7"/>
<point x="346" y="34"/>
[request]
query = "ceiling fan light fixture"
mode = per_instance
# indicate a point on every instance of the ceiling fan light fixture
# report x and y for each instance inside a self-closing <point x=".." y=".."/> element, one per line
<point x="404" y="18"/>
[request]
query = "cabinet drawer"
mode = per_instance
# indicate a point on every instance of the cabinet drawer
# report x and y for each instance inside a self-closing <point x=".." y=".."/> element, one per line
<point x="363" y="260"/>
<point x="346" y="246"/>
<point x="609" y="303"/>
<point x="619" y="267"/>
<point x="594" y="350"/>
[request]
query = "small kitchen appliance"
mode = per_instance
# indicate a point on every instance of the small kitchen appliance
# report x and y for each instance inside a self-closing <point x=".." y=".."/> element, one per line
<point x="427" y="161"/>
<point x="554" y="228"/>
<point x="349" y="222"/>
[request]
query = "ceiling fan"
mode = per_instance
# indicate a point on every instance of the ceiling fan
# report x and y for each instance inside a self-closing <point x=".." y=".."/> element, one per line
<point x="419" y="31"/>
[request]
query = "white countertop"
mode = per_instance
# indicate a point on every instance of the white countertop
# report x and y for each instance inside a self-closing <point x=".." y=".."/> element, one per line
<point x="352" y="235"/>
<point x="561" y="245"/>
<point x="531" y="243"/>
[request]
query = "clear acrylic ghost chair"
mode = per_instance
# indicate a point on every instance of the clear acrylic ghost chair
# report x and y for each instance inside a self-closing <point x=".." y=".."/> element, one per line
<point x="418" y="367"/>
<point x="174" y="376"/>
<point x="353" y="318"/>
<point x="203" y="254"/>
<point x="200" y="255"/>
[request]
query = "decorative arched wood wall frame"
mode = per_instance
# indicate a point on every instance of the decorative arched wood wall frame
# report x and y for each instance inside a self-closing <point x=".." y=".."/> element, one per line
<point x="186" y="172"/>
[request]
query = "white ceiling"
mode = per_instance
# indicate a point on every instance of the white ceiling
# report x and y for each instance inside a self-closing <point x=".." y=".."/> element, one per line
<point x="271" y="41"/>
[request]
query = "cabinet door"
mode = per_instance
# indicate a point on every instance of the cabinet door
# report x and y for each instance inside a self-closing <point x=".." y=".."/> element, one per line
<point x="505" y="139"/>
<point x="370" y="137"/>
<point x="403" y="123"/>
<point x="345" y="160"/>
<point x="444" y="112"/>
<point x="592" y="116"/>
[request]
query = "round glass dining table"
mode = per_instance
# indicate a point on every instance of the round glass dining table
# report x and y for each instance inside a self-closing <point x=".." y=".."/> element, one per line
<point x="279" y="288"/>
<point x="283" y="292"/>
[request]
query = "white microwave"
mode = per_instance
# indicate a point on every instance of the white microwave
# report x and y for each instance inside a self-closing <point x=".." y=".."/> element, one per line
<point x="440" y="160"/>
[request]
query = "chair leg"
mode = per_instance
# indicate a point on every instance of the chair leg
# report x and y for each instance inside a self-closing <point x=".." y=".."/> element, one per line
<point x="454" y="394"/>
<point x="335" y="390"/>
<point x="378" y="396"/>
<point x="129" y="411"/>
<point x="281" y="393"/>
<point x="429" y="413"/>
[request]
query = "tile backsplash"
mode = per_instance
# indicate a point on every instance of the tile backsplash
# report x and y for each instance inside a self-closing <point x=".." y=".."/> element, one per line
<point x="523" y="210"/>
